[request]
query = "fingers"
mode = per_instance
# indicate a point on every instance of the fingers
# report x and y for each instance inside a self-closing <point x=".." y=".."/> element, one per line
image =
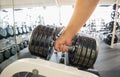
<point x="60" y="47"/>
<point x="61" y="44"/>
<point x="63" y="48"/>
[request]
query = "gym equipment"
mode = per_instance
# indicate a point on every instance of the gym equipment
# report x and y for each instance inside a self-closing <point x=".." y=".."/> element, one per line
<point x="24" y="29"/>
<point x="9" y="30"/>
<point x="110" y="26"/>
<point x="40" y="42"/>
<point x="20" y="31"/>
<point x="21" y="45"/>
<point x="13" y="50"/>
<point x="43" y="68"/>
<point x="18" y="48"/>
<point x="25" y="44"/>
<point x="113" y="14"/>
<point x="1" y="57"/>
<point x="3" y="33"/>
<point x="114" y="7"/>
<point x="82" y="53"/>
<point x="30" y="28"/>
<point x="16" y="31"/>
<point x="7" y="53"/>
<point x="27" y="29"/>
<point x="108" y="39"/>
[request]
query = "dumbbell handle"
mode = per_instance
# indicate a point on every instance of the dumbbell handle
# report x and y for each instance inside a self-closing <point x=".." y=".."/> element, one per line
<point x="69" y="47"/>
<point x="59" y="34"/>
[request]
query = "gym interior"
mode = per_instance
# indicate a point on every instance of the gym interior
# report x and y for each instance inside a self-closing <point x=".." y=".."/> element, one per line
<point x="28" y="29"/>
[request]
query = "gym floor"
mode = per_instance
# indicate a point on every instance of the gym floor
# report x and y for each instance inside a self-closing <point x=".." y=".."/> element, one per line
<point x="107" y="64"/>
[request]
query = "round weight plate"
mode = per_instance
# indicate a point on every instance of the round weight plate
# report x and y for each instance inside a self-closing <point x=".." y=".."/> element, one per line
<point x="24" y="29"/>
<point x="87" y="53"/>
<point x="13" y="50"/>
<point x="109" y="38"/>
<point x="31" y="49"/>
<point x="36" y="50"/>
<point x="111" y="24"/>
<point x="40" y="51"/>
<point x="6" y="53"/>
<point x="21" y="45"/>
<point x="20" y="31"/>
<point x="83" y="52"/>
<point x="27" y="29"/>
<point x="18" y="48"/>
<point x="25" y="44"/>
<point x="3" y="33"/>
<point x="113" y="14"/>
<point x="38" y="39"/>
<point x="32" y="41"/>
<point x="77" y="54"/>
<point x="30" y="28"/>
<point x="9" y="31"/>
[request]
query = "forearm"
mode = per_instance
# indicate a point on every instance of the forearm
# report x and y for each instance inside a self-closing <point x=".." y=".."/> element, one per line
<point x="82" y="11"/>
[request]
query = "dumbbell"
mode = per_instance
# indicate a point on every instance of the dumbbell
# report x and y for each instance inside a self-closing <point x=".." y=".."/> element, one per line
<point x="20" y="31"/>
<point x="21" y="45"/>
<point x="3" y="33"/>
<point x="40" y="40"/>
<point x="25" y="44"/>
<point x="13" y="50"/>
<point x="16" y="31"/>
<point x="24" y="29"/>
<point x="18" y="48"/>
<point x="27" y="29"/>
<point x="83" y="53"/>
<point x="108" y="39"/>
<point x="113" y="14"/>
<point x="7" y="53"/>
<point x="10" y="32"/>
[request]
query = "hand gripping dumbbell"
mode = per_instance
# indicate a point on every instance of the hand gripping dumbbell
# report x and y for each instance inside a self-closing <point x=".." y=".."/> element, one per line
<point x="82" y="53"/>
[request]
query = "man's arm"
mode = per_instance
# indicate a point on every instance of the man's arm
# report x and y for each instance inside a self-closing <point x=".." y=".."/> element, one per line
<point x="82" y="11"/>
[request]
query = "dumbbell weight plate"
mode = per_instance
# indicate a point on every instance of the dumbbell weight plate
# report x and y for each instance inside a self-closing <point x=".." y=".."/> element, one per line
<point x="113" y="14"/>
<point x="6" y="53"/>
<point x="32" y="43"/>
<point x="20" y="31"/>
<point x="86" y="51"/>
<point x="86" y="58"/>
<point x="13" y="50"/>
<point x="25" y="44"/>
<point x="18" y="48"/>
<point x="21" y="45"/>
<point x="3" y="33"/>
<point x="9" y="31"/>
<point x="24" y="30"/>
<point x="30" y="28"/>
<point x="77" y="55"/>
<point x="32" y="49"/>
<point x="27" y="29"/>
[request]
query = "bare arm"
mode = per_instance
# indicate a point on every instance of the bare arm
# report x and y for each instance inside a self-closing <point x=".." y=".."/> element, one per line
<point x="82" y="11"/>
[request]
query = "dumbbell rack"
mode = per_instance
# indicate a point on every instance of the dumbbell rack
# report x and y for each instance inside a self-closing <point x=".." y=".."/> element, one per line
<point x="12" y="44"/>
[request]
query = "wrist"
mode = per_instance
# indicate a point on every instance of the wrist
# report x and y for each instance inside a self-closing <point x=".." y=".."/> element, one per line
<point x="68" y="34"/>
